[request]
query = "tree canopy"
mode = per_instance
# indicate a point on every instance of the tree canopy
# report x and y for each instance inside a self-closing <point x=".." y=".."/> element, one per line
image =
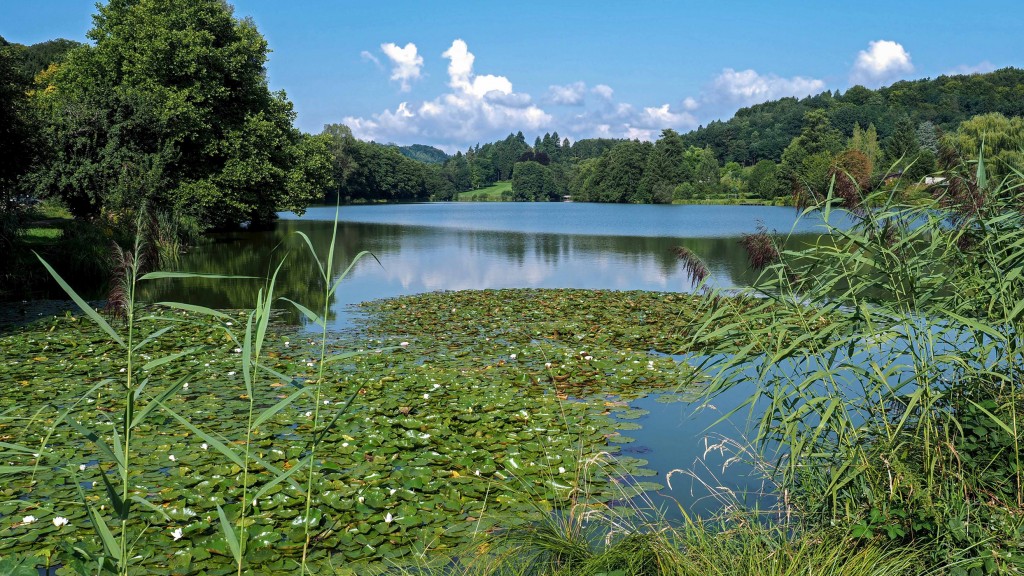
<point x="170" y="109"/>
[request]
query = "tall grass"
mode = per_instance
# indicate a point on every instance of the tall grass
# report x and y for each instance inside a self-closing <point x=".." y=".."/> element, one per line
<point x="887" y="363"/>
<point x="120" y="533"/>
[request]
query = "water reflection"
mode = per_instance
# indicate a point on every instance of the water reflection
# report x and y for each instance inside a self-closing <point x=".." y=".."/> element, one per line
<point x="421" y="258"/>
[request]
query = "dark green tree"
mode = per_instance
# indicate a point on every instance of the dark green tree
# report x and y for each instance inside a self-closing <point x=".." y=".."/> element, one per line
<point x="18" y="142"/>
<point x="170" y="108"/>
<point x="901" y="147"/>
<point x="664" y="170"/>
<point x="764" y="181"/>
<point x="533" y="182"/>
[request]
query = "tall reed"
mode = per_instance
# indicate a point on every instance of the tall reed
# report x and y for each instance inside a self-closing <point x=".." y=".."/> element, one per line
<point x="887" y="369"/>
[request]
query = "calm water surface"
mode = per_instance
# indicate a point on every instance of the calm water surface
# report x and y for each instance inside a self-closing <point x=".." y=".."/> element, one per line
<point x="456" y="246"/>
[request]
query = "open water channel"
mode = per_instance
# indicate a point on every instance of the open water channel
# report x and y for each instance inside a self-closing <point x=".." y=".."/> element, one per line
<point x="459" y="246"/>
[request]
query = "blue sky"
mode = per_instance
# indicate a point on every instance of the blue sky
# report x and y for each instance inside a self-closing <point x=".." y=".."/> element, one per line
<point x="456" y="73"/>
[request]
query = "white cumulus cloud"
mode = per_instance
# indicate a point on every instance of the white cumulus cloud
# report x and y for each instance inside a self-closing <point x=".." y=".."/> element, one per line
<point x="746" y="87"/>
<point x="569" y="94"/>
<point x="478" y="107"/>
<point x="406" y="63"/>
<point x="603" y="90"/>
<point x="883" y="60"/>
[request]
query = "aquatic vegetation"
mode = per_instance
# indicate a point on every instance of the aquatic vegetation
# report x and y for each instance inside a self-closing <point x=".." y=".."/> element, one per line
<point x="449" y="436"/>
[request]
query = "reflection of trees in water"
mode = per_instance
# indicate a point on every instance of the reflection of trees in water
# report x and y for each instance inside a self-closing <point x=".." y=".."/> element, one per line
<point x="256" y="253"/>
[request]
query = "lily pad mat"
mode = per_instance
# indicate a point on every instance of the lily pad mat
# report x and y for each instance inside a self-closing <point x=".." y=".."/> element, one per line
<point x="472" y="410"/>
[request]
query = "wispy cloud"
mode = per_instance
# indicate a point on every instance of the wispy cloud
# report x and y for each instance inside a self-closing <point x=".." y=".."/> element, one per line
<point x="979" y="68"/>
<point x="405" y="63"/>
<point x="367" y="55"/>
<point x="746" y="87"/>
<point x="568" y="95"/>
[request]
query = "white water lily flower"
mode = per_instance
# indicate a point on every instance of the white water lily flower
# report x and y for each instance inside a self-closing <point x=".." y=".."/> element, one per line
<point x="60" y="521"/>
<point x="344" y="444"/>
<point x="228" y="323"/>
<point x="392" y="491"/>
<point x="547" y="364"/>
<point x="231" y="373"/>
<point x="309" y="414"/>
<point x="177" y="533"/>
<point x="28" y="519"/>
<point x="204" y="445"/>
<point x="436" y="386"/>
<point x="82" y="467"/>
<point x="426" y="396"/>
<point x="326" y="402"/>
<point x="588" y="357"/>
<point x="388" y="518"/>
<point x="561" y="470"/>
<point x="287" y="344"/>
<point x="237" y="350"/>
<point x="512" y="356"/>
<point x="185" y="385"/>
<point x="309" y="364"/>
<point x="361" y="499"/>
<point x="172" y="458"/>
<point x="403" y="343"/>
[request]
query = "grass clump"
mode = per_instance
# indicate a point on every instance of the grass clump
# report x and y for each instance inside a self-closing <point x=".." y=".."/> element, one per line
<point x="893" y="409"/>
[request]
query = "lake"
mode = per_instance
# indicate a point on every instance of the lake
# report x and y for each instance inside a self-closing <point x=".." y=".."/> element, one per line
<point x="459" y="246"/>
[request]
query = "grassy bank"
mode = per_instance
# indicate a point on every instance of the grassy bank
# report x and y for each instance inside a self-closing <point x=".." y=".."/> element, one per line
<point x="492" y="193"/>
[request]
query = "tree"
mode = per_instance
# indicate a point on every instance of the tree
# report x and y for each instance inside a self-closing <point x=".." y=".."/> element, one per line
<point x="866" y="142"/>
<point x="17" y="131"/>
<point x="170" y="108"/>
<point x="807" y="160"/>
<point x="764" y="181"/>
<point x="664" y="165"/>
<point x="533" y="182"/>
<point x="902" y="147"/>
<point x="1003" y="140"/>
<point x="702" y="172"/>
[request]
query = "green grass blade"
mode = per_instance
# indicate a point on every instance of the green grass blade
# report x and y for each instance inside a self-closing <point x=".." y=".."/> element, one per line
<point x="120" y="506"/>
<point x="82" y="304"/>
<point x="312" y="251"/>
<point x="195" y="275"/>
<point x="153" y="336"/>
<point x="282" y="477"/>
<point x="214" y="442"/>
<point x="165" y="359"/>
<point x="196" y="309"/>
<point x="140" y="416"/>
<point x="352" y="354"/>
<point x="309" y="314"/>
<point x="352" y="265"/>
<point x="151" y="507"/>
<point x="12" y="470"/>
<point x="229" y="535"/>
<point x="96" y="440"/>
<point x="281" y="405"/>
<point x="109" y="542"/>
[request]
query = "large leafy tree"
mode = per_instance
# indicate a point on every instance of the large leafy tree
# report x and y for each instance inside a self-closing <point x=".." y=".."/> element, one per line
<point x="17" y="130"/>
<point x="170" y="109"/>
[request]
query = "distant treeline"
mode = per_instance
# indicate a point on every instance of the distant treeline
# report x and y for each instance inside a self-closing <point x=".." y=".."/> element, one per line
<point x="765" y="153"/>
<point x="771" y="151"/>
